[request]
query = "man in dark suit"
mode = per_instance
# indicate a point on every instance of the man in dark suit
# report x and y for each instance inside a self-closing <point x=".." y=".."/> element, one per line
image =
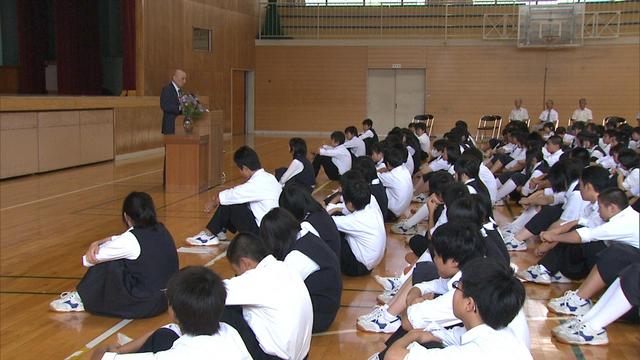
<point x="169" y="102"/>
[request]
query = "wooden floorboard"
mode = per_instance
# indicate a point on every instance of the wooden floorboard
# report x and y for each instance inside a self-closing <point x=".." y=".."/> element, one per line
<point x="48" y="220"/>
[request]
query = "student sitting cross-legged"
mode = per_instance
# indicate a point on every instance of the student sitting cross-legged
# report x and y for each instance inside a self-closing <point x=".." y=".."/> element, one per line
<point x="267" y="302"/>
<point x="196" y="300"/>
<point x="242" y="207"/>
<point x="126" y="273"/>
<point x="300" y="170"/>
<point x="298" y="245"/>
<point x="487" y="297"/>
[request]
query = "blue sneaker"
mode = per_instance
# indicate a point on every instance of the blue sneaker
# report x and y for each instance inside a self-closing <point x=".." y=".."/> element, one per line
<point x="68" y="302"/>
<point x="203" y="238"/>
<point x="583" y="334"/>
<point x="379" y="321"/>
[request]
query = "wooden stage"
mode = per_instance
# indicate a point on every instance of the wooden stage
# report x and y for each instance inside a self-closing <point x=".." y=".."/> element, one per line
<point x="48" y="220"/>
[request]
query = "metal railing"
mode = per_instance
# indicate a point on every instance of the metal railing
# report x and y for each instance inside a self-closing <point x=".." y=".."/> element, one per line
<point x="439" y="19"/>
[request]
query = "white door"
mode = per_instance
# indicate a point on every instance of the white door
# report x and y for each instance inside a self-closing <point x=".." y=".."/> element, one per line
<point x="394" y="97"/>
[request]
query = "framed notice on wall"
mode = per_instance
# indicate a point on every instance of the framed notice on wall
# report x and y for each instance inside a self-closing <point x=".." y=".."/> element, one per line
<point x="201" y="39"/>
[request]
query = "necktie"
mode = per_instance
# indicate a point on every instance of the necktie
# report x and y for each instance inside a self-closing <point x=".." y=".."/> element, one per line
<point x="548" y="115"/>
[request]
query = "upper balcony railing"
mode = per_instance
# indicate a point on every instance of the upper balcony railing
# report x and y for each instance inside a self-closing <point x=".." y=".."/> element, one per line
<point x="437" y="19"/>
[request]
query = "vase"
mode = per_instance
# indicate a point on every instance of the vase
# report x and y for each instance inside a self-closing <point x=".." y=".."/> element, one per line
<point x="187" y="124"/>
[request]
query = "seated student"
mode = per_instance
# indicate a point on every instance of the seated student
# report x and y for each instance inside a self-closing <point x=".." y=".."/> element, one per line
<point x="567" y="139"/>
<point x="335" y="159"/>
<point x="487" y="299"/>
<point x="449" y="154"/>
<point x="267" y="302"/>
<point x="300" y="170"/>
<point x="423" y="138"/>
<point x="242" y="207"/>
<point x="196" y="300"/>
<point x="605" y="140"/>
<point x="412" y="144"/>
<point x="547" y="130"/>
<point x="467" y="140"/>
<point x="572" y="260"/>
<point x="622" y="296"/>
<point x="634" y="142"/>
<point x="563" y="203"/>
<point x="353" y="143"/>
<point x="589" y="141"/>
<point x="514" y="160"/>
<point x="609" y="162"/>
<point x="362" y="230"/>
<point x="126" y="273"/>
<point x="377" y="154"/>
<point x="299" y="246"/>
<point x="367" y="168"/>
<point x="436" y="163"/>
<point x="535" y="167"/>
<point x="367" y="131"/>
<point x="467" y="170"/>
<point x="397" y="182"/>
<point x="628" y="172"/>
<point x="484" y="174"/>
<point x="553" y="150"/>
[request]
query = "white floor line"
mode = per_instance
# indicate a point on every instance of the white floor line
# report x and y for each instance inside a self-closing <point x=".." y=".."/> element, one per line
<point x="213" y="261"/>
<point x="79" y="190"/>
<point x="320" y="187"/>
<point x="336" y="332"/>
<point x="100" y="338"/>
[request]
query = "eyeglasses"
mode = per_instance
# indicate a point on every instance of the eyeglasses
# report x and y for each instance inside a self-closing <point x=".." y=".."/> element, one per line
<point x="457" y="285"/>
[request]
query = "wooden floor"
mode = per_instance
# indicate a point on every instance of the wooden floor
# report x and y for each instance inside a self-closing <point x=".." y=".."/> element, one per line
<point x="48" y="220"/>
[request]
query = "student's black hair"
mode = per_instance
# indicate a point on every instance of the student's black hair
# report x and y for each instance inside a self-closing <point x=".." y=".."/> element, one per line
<point x="278" y="231"/>
<point x="597" y="176"/>
<point x="453" y="152"/>
<point x="462" y="125"/>
<point x="396" y="131"/>
<point x="357" y="193"/>
<point x="628" y="159"/>
<point x="411" y="125"/>
<point x="496" y="292"/>
<point x="555" y="140"/>
<point x="588" y="136"/>
<point x="521" y="137"/>
<point x="461" y="242"/>
<point x="534" y="139"/>
<point x="614" y="196"/>
<point x="338" y="136"/>
<point x="636" y="130"/>
<point x="616" y="149"/>
<point x="366" y="167"/>
<point x="591" y="127"/>
<point x="297" y="199"/>
<point x="298" y="146"/>
<point x="246" y="245"/>
<point x="455" y="135"/>
<point x="561" y="130"/>
<point x="475" y="152"/>
<point x="422" y="126"/>
<point x="622" y="137"/>
<point x="517" y="126"/>
<point x="610" y="132"/>
<point x="393" y="157"/>
<point x="439" y="144"/>
<point x="599" y="130"/>
<point x="439" y="181"/>
<point x="463" y="210"/>
<point x="410" y="139"/>
<point x="563" y="173"/>
<point x="534" y="155"/>
<point x="351" y="130"/>
<point x="140" y="209"/>
<point x="197" y="296"/>
<point x="379" y="147"/>
<point x="454" y="191"/>
<point x="578" y="126"/>
<point x="548" y="125"/>
<point x="367" y="122"/>
<point x="468" y="165"/>
<point x="350" y="177"/>
<point x="246" y="156"/>
<point x="580" y="155"/>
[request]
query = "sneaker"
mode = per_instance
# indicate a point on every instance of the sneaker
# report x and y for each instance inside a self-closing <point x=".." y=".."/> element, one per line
<point x="222" y="236"/>
<point x="401" y="229"/>
<point x="537" y="274"/>
<point x="569" y="304"/>
<point x="569" y="324"/>
<point x="375" y="356"/>
<point x="512" y="243"/>
<point x="560" y="278"/>
<point x="420" y="198"/>
<point x="373" y="313"/>
<point x="386" y="297"/>
<point x="388" y="283"/>
<point x="499" y="203"/>
<point x="68" y="302"/>
<point x="381" y="322"/>
<point x="203" y="238"/>
<point x="582" y="334"/>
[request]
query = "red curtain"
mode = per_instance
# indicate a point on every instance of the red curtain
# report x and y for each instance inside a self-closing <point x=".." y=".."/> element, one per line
<point x="32" y="45"/>
<point x="78" y="47"/>
<point x="128" y="14"/>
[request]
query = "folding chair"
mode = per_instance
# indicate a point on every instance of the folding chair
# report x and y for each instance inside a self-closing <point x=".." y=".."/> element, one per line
<point x="488" y="123"/>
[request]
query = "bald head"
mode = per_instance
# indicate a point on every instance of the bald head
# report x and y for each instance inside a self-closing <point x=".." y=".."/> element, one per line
<point x="179" y="78"/>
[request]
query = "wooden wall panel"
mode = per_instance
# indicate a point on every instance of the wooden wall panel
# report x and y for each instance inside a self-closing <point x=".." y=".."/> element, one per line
<point x="327" y="84"/>
<point x="137" y="129"/>
<point x="167" y="46"/>
<point x="306" y="88"/>
<point x="18" y="144"/>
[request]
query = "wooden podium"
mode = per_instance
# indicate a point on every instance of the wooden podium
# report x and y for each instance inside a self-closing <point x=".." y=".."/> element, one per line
<point x="194" y="161"/>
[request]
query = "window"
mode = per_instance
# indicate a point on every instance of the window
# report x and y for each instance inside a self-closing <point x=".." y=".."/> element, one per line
<point x="201" y="39"/>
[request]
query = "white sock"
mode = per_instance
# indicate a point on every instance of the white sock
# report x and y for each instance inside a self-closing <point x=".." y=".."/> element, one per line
<point x="403" y="277"/>
<point x="506" y="189"/>
<point x="523" y="219"/>
<point x="609" y="308"/>
<point x="421" y="214"/>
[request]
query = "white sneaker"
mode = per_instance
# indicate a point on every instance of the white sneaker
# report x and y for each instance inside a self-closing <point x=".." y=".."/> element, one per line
<point x="569" y="324"/>
<point x="222" y="236"/>
<point x="560" y="278"/>
<point x="499" y="203"/>
<point x="420" y="198"/>
<point x="375" y="356"/>
<point x="380" y="322"/>
<point x="373" y="313"/>
<point x="569" y="304"/>
<point x="68" y="302"/>
<point x="203" y="238"/>
<point x="386" y="297"/>
<point x="582" y="334"/>
<point x="388" y="283"/>
<point x="512" y="243"/>
<point x="537" y="274"/>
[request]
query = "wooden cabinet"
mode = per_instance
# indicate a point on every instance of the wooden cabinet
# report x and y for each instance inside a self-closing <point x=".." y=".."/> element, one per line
<point x="187" y="163"/>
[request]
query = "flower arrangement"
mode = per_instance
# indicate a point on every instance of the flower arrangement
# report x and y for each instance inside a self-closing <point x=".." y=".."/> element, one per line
<point x="190" y="106"/>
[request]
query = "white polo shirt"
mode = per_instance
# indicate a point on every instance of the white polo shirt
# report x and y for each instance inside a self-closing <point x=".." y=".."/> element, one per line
<point x="295" y="168"/>
<point x="365" y="135"/>
<point x="276" y="305"/>
<point x="551" y="158"/>
<point x="590" y="216"/>
<point x="582" y="115"/>
<point x="632" y="182"/>
<point x="489" y="181"/>
<point x="549" y="116"/>
<point x="425" y="142"/>
<point x="123" y="246"/>
<point x="519" y="114"/>
<point x="261" y="192"/>
<point x="399" y="187"/>
<point x="573" y="204"/>
<point x="356" y="146"/>
<point x="340" y="157"/>
<point x="623" y="227"/>
<point x="607" y="162"/>
<point x="364" y="231"/>
<point x="409" y="163"/>
<point x="225" y="344"/>
<point x="518" y="154"/>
